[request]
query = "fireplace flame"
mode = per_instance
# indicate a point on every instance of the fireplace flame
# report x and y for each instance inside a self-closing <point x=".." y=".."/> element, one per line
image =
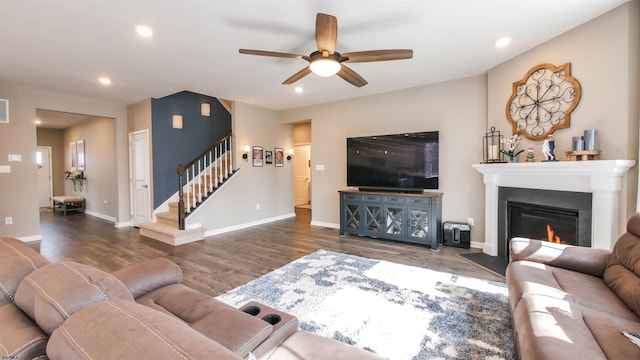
<point x="551" y="235"/>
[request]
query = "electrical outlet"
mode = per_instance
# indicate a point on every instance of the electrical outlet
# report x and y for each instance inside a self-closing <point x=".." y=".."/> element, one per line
<point x="257" y="206"/>
<point x="470" y="221"/>
<point x="106" y="202"/>
<point x="8" y="220"/>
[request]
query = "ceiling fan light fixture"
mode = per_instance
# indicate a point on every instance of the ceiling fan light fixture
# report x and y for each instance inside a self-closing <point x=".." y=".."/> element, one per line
<point x="325" y="67"/>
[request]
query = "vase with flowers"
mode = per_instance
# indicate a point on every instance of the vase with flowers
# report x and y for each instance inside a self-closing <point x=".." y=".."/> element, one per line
<point x="511" y="148"/>
<point x="76" y="178"/>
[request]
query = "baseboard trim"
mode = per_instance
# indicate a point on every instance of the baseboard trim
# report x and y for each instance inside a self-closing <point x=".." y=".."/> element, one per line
<point x="30" y="238"/>
<point x="247" y="225"/>
<point x="325" y="224"/>
<point x="101" y="216"/>
<point x="122" y="224"/>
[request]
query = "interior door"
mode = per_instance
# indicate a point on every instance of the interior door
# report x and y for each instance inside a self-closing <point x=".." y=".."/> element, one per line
<point x="302" y="174"/>
<point x="45" y="179"/>
<point x="140" y="177"/>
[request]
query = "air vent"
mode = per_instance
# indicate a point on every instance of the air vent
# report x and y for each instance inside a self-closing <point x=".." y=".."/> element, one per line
<point x="4" y="111"/>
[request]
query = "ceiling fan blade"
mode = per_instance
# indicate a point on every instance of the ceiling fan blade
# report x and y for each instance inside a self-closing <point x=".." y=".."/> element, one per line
<point x="351" y="76"/>
<point x="326" y="32"/>
<point x="378" y="55"/>
<point x="297" y="76"/>
<point x="271" y="53"/>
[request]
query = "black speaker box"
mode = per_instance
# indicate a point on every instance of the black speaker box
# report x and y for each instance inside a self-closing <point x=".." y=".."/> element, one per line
<point x="456" y="234"/>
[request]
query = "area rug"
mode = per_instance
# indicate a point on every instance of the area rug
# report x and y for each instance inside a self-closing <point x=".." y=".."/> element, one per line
<point x="396" y="311"/>
<point x="495" y="264"/>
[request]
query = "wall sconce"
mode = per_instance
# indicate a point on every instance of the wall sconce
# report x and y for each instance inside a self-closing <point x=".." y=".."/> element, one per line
<point x="177" y="121"/>
<point x="205" y="109"/>
<point x="245" y="156"/>
<point x="290" y="156"/>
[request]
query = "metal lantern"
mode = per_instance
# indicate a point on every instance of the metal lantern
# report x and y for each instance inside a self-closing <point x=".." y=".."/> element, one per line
<point x="492" y="145"/>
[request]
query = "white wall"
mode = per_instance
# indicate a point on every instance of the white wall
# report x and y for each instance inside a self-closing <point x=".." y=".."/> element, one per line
<point x="18" y="197"/>
<point x="234" y="206"/>
<point x="457" y="109"/>
<point x="604" y="57"/>
<point x="100" y="165"/>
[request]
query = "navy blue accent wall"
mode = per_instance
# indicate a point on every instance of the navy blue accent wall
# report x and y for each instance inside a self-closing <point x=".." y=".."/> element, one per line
<point x="172" y="147"/>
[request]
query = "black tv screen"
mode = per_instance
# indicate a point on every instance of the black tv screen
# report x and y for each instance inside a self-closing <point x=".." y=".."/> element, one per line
<point x="405" y="162"/>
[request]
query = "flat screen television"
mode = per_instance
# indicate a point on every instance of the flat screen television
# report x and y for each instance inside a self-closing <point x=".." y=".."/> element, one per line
<point x="399" y="162"/>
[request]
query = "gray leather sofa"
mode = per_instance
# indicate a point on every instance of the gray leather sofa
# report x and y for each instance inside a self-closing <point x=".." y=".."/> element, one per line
<point x="68" y="310"/>
<point x="572" y="302"/>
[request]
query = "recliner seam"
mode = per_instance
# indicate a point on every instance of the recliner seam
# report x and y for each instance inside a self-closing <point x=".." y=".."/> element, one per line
<point x="70" y="337"/>
<point x="44" y="293"/>
<point x="83" y="277"/>
<point x="20" y="254"/>
<point x="141" y="322"/>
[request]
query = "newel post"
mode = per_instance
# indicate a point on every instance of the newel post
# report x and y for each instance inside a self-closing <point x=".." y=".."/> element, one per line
<point x="180" y="198"/>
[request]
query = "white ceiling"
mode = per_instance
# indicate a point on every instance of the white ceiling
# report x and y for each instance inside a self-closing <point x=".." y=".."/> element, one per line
<point x="65" y="45"/>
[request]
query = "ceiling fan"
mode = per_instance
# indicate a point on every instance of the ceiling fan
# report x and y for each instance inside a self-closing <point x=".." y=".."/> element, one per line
<point x="326" y="61"/>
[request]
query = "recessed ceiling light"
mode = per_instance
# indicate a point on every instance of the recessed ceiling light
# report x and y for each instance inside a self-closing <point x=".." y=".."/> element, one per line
<point x="299" y="90"/>
<point x="502" y="42"/>
<point x="37" y="121"/>
<point x="144" y="31"/>
<point x="104" y="81"/>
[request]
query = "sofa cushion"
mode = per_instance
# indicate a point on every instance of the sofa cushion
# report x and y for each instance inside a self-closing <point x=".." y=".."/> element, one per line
<point x="531" y="278"/>
<point x="607" y="331"/>
<point x="576" y="258"/>
<point x="550" y="328"/>
<point x="622" y="274"/>
<point x="119" y="329"/>
<point x="20" y="338"/>
<point x="308" y="346"/>
<point x="17" y="260"/>
<point x="54" y="292"/>
<point x="148" y="276"/>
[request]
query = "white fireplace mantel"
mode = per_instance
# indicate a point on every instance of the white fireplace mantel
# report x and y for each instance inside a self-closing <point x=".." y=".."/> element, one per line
<point x="601" y="178"/>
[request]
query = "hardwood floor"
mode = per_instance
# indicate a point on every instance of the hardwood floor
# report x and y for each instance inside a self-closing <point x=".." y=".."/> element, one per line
<point x="222" y="262"/>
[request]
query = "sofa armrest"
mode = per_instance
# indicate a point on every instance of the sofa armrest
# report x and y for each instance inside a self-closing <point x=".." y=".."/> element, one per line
<point x="150" y="275"/>
<point x="576" y="258"/>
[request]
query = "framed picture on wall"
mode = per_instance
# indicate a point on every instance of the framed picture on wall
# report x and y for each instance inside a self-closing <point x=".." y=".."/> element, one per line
<point x="279" y="157"/>
<point x="268" y="157"/>
<point x="258" y="153"/>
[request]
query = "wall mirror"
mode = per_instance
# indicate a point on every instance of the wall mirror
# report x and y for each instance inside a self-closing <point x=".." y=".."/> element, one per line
<point x="81" y="157"/>
<point x="74" y="154"/>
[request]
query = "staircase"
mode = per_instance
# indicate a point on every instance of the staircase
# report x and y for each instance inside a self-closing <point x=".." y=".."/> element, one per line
<point x="198" y="181"/>
<point x="166" y="228"/>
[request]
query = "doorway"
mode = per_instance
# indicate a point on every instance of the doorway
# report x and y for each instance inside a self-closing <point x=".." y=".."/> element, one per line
<point x="45" y="177"/>
<point x="302" y="175"/>
<point x="140" y="177"/>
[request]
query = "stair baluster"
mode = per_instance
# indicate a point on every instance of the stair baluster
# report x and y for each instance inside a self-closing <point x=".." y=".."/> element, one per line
<point x="219" y="162"/>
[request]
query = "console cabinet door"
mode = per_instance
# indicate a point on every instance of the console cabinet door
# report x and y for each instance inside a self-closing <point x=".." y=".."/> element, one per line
<point x="394" y="217"/>
<point x="351" y="214"/>
<point x="419" y="220"/>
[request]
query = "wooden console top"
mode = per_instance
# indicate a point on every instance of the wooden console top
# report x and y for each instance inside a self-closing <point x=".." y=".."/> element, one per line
<point x="396" y="193"/>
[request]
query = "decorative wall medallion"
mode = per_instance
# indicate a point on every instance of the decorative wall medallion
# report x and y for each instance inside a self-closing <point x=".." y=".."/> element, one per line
<point x="543" y="100"/>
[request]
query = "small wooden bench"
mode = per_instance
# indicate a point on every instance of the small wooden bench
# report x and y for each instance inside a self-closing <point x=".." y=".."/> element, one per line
<point x="68" y="203"/>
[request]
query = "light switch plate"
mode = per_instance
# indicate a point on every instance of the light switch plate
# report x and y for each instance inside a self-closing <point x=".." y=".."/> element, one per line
<point x="15" y="157"/>
<point x="5" y="169"/>
<point x="320" y="167"/>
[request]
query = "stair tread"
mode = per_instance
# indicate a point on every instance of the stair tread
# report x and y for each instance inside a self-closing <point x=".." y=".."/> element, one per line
<point x="169" y="230"/>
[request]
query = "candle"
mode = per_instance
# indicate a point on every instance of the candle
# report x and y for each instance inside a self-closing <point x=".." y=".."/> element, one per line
<point x="493" y="152"/>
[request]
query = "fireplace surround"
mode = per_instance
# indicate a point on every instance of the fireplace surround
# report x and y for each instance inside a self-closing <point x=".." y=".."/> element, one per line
<point x="562" y="216"/>
<point x="600" y="178"/>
